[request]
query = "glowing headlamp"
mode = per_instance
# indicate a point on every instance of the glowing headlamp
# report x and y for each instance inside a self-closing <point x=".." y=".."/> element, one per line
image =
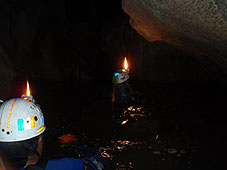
<point x="28" y="95"/>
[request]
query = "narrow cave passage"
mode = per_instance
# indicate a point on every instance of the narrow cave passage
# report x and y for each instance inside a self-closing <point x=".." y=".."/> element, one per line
<point x="69" y="52"/>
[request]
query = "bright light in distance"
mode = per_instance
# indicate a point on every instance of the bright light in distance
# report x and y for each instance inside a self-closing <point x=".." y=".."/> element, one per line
<point x="28" y="93"/>
<point x="125" y="64"/>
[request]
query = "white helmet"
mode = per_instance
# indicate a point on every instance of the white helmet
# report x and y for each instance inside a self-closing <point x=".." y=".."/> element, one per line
<point x="120" y="77"/>
<point x="20" y="119"/>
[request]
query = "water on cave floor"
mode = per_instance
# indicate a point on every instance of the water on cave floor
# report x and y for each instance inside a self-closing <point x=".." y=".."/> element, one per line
<point x="168" y="127"/>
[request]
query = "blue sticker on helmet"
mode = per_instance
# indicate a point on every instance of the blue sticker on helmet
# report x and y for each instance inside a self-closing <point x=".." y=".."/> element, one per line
<point x="116" y="74"/>
<point x="42" y="120"/>
<point x="20" y="123"/>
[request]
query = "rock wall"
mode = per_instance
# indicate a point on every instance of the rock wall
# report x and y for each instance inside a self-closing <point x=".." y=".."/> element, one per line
<point x="157" y="62"/>
<point x="198" y="27"/>
<point x="26" y="26"/>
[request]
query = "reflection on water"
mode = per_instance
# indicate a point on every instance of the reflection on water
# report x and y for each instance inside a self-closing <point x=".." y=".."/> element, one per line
<point x="124" y="122"/>
<point x="160" y="154"/>
<point x="139" y="144"/>
<point x="116" y="148"/>
<point x="124" y="166"/>
<point x="132" y="113"/>
<point x="112" y="152"/>
<point x="119" y="145"/>
<point x="139" y="140"/>
<point x="156" y="138"/>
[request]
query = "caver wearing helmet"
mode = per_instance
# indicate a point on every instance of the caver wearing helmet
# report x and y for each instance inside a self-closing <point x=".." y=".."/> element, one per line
<point x="21" y="140"/>
<point x="121" y="92"/>
<point x="20" y="119"/>
<point x="120" y="77"/>
<point x="21" y="128"/>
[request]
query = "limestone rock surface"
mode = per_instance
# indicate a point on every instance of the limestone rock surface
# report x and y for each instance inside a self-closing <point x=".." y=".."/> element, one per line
<point x="198" y="27"/>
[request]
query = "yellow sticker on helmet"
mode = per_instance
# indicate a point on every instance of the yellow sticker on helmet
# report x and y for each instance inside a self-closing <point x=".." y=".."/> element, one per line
<point x="32" y="122"/>
<point x="40" y="129"/>
<point x="10" y="111"/>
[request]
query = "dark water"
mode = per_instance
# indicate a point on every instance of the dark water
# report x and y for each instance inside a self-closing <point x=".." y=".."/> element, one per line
<point x="174" y="126"/>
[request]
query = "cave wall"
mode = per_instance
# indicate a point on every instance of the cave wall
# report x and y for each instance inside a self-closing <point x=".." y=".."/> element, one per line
<point x="157" y="62"/>
<point x="71" y="41"/>
<point x="46" y="40"/>
<point x="26" y="32"/>
<point x="195" y="26"/>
